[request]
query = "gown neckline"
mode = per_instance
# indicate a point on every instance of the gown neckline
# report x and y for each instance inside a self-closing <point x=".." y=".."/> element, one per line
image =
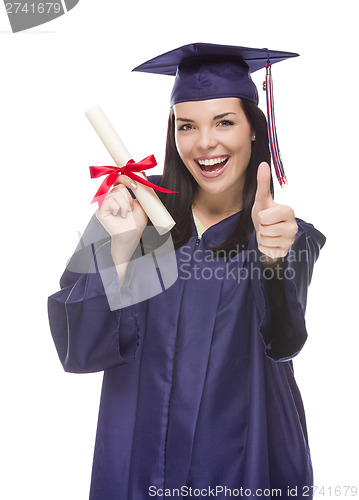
<point x="218" y="232"/>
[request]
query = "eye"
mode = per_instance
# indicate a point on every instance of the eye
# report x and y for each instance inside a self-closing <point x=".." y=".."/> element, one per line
<point x="225" y="123"/>
<point x="185" y="127"/>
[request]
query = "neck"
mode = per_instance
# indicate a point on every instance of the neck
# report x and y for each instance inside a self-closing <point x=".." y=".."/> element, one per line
<point x="211" y="208"/>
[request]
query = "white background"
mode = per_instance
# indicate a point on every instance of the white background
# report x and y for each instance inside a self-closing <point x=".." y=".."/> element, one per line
<point x="49" y="76"/>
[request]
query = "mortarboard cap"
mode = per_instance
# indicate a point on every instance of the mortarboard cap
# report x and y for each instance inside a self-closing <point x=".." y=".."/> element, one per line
<point x="210" y="71"/>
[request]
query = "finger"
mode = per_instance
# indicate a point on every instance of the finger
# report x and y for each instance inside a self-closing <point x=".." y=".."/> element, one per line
<point x="126" y="181"/>
<point x="124" y="200"/>
<point x="271" y="231"/>
<point x="275" y="214"/>
<point x="279" y="242"/>
<point x="116" y="203"/>
<point x="273" y="252"/>
<point x="281" y="229"/>
<point x="263" y="194"/>
<point x="120" y="191"/>
<point x="109" y="206"/>
<point x="268" y="241"/>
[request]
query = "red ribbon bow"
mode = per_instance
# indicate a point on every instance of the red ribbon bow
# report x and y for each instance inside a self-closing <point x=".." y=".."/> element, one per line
<point x="128" y="170"/>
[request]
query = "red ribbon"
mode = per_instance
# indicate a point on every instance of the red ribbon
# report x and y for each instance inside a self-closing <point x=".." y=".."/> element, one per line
<point x="128" y="170"/>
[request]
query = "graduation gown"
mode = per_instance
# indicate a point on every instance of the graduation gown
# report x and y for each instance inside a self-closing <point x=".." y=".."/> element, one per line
<point x="198" y="394"/>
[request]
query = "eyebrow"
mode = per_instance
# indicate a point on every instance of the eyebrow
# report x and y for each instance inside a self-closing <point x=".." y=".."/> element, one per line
<point x="217" y="117"/>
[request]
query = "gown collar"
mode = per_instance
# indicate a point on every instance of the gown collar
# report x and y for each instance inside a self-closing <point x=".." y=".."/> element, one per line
<point x="219" y="232"/>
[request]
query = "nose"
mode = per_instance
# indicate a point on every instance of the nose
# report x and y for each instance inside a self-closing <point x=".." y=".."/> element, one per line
<point x="207" y="140"/>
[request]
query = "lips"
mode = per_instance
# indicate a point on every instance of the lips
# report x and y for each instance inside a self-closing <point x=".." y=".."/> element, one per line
<point x="212" y="166"/>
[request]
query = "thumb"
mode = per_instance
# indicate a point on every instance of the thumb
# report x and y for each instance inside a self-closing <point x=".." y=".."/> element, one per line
<point x="263" y="195"/>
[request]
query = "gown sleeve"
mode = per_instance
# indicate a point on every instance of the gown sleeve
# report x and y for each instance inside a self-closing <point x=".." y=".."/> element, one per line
<point x="89" y="334"/>
<point x="281" y="303"/>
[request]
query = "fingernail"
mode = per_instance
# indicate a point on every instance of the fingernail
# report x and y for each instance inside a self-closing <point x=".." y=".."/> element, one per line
<point x="133" y="185"/>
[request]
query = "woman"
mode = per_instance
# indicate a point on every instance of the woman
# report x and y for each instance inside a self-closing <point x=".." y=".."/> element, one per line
<point x="199" y="397"/>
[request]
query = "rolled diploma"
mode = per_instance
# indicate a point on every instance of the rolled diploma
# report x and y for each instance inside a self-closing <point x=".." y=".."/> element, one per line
<point x="146" y="196"/>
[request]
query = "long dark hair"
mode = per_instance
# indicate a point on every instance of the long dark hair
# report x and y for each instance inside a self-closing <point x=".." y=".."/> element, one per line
<point x="177" y="178"/>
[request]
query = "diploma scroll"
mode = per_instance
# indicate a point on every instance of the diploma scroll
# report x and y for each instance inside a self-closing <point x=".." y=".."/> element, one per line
<point x="146" y="196"/>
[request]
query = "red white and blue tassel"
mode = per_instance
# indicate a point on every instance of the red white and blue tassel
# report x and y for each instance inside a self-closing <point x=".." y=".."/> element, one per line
<point x="272" y="132"/>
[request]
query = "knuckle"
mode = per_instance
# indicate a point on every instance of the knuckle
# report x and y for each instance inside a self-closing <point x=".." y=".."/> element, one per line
<point x="107" y="202"/>
<point x="291" y="241"/>
<point x="126" y="181"/>
<point x="265" y="231"/>
<point x="282" y="252"/>
<point x="289" y="212"/>
<point x="118" y="185"/>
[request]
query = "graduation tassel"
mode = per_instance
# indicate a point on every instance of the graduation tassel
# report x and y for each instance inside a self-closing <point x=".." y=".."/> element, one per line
<point x="273" y="141"/>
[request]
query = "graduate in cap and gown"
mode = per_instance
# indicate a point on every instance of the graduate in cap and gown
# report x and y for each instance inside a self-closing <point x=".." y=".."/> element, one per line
<point x="199" y="396"/>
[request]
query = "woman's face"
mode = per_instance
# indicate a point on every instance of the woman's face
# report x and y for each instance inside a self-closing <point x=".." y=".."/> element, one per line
<point x="213" y="139"/>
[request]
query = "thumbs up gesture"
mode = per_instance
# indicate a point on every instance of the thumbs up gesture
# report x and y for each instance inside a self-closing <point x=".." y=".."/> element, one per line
<point x="275" y="224"/>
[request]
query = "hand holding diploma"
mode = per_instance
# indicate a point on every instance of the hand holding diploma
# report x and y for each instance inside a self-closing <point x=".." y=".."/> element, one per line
<point x="148" y="199"/>
<point x="275" y="224"/>
<point x="121" y="215"/>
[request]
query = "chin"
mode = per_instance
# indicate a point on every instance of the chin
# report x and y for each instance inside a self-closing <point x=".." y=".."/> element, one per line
<point x="214" y="187"/>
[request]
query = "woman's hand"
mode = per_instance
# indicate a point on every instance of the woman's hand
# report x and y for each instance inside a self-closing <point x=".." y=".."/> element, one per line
<point x="275" y="224"/>
<point x="122" y="216"/>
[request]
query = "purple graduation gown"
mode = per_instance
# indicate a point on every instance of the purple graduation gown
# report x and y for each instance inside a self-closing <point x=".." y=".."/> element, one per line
<point x="198" y="389"/>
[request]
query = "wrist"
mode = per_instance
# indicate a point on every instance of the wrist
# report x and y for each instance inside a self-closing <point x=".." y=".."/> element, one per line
<point x="276" y="265"/>
<point x="122" y="251"/>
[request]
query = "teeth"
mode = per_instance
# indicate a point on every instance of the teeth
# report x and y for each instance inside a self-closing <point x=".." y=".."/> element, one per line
<point x="212" y="161"/>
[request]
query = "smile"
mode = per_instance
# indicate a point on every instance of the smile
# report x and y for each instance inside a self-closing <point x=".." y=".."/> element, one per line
<point x="212" y="166"/>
